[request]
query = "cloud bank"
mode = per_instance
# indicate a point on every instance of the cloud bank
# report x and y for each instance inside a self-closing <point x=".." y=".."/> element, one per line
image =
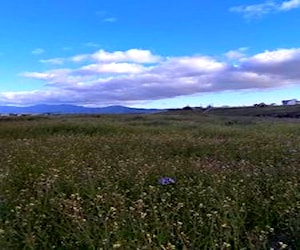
<point x="133" y="76"/>
<point x="258" y="10"/>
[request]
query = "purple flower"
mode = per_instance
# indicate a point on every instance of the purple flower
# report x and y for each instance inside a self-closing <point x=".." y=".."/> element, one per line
<point x="166" y="181"/>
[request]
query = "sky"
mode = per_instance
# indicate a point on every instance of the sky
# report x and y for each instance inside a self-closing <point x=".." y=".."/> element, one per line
<point x="150" y="53"/>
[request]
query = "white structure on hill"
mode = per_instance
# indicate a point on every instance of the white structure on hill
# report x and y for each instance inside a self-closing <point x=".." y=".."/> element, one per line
<point x="290" y="102"/>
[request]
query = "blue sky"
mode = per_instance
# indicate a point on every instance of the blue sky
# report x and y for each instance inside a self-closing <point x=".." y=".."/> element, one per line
<point x="154" y="53"/>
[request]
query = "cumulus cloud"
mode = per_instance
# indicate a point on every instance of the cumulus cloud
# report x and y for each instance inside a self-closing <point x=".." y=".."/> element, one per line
<point x="236" y="54"/>
<point x="112" y="68"/>
<point x="121" y="77"/>
<point x="132" y="55"/>
<point x="283" y="63"/>
<point x="258" y="10"/>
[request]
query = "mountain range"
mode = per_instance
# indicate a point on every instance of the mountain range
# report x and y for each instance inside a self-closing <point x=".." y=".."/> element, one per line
<point x="73" y="109"/>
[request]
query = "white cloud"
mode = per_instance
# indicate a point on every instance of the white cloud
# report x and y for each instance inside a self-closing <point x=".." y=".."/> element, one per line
<point x="59" y="77"/>
<point x="67" y="48"/>
<point x="132" y="55"/>
<point x="106" y="17"/>
<point x="38" y="51"/>
<point x="288" y="5"/>
<point x="236" y="54"/>
<point x="188" y="67"/>
<point x="36" y="75"/>
<point x="281" y="63"/>
<point x="276" y="56"/>
<point x="110" y="20"/>
<point x="36" y="97"/>
<point x="128" y="76"/>
<point x="92" y="45"/>
<point x="258" y="10"/>
<point x="54" y="61"/>
<point x="117" y="68"/>
<point x="80" y="58"/>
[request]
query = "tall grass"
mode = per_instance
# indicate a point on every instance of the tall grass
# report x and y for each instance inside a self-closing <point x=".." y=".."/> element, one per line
<point x="92" y="183"/>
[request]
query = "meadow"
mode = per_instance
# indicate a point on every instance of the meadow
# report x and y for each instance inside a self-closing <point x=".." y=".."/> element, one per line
<point x="92" y="182"/>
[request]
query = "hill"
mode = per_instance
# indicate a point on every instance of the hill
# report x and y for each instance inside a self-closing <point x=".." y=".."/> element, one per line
<point x="258" y="111"/>
<point x="73" y="109"/>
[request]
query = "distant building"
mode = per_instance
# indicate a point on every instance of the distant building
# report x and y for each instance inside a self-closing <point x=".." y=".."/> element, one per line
<point x="290" y="102"/>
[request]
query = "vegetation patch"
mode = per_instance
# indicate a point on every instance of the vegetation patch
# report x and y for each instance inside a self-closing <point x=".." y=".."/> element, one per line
<point x="159" y="181"/>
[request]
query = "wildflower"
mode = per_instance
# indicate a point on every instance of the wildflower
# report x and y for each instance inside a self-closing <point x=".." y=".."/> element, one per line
<point x="168" y="247"/>
<point x="180" y="205"/>
<point x="282" y="245"/>
<point x="179" y="223"/>
<point x="113" y="209"/>
<point x="226" y="245"/>
<point x="117" y="245"/>
<point x="166" y="181"/>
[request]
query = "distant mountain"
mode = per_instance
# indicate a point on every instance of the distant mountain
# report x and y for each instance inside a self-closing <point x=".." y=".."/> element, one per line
<point x="73" y="109"/>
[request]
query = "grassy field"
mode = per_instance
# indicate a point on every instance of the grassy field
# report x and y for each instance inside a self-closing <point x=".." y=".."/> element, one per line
<point x="93" y="182"/>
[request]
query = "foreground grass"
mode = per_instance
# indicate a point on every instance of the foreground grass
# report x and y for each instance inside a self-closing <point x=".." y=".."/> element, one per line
<point x="92" y="183"/>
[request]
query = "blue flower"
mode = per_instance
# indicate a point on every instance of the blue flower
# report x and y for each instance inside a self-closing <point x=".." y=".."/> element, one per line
<point x="166" y="181"/>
